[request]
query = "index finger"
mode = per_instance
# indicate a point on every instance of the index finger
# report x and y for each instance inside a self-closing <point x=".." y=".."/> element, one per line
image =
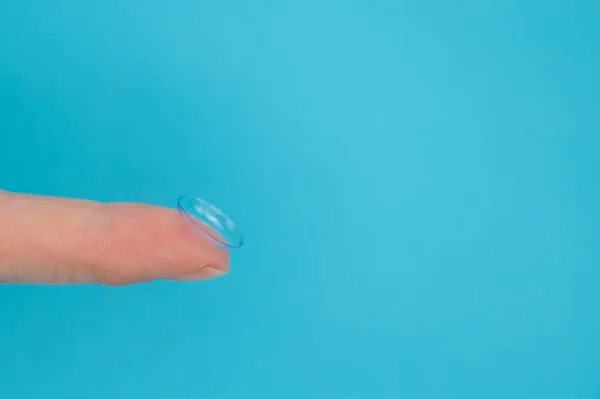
<point x="49" y="240"/>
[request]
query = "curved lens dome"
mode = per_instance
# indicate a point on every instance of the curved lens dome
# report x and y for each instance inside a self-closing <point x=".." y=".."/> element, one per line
<point x="209" y="223"/>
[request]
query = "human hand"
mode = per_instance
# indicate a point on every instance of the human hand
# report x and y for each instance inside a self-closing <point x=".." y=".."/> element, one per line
<point x="47" y="240"/>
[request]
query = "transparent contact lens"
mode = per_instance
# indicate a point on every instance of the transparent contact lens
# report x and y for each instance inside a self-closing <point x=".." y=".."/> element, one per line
<point x="209" y="223"/>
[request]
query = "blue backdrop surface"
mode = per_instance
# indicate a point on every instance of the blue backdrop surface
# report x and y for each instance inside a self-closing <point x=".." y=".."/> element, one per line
<point x="418" y="183"/>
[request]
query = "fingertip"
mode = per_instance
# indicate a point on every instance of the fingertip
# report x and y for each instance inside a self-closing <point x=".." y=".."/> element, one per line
<point x="155" y="243"/>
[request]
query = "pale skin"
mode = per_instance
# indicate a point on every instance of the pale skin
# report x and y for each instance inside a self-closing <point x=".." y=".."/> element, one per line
<point x="47" y="240"/>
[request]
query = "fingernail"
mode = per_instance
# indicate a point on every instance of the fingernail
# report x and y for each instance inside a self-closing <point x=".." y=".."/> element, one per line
<point x="204" y="273"/>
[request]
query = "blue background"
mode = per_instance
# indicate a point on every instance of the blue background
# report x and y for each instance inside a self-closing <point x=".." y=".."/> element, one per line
<point x="418" y="183"/>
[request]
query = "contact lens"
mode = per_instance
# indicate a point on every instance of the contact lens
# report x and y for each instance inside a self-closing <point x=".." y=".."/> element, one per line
<point x="209" y="223"/>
